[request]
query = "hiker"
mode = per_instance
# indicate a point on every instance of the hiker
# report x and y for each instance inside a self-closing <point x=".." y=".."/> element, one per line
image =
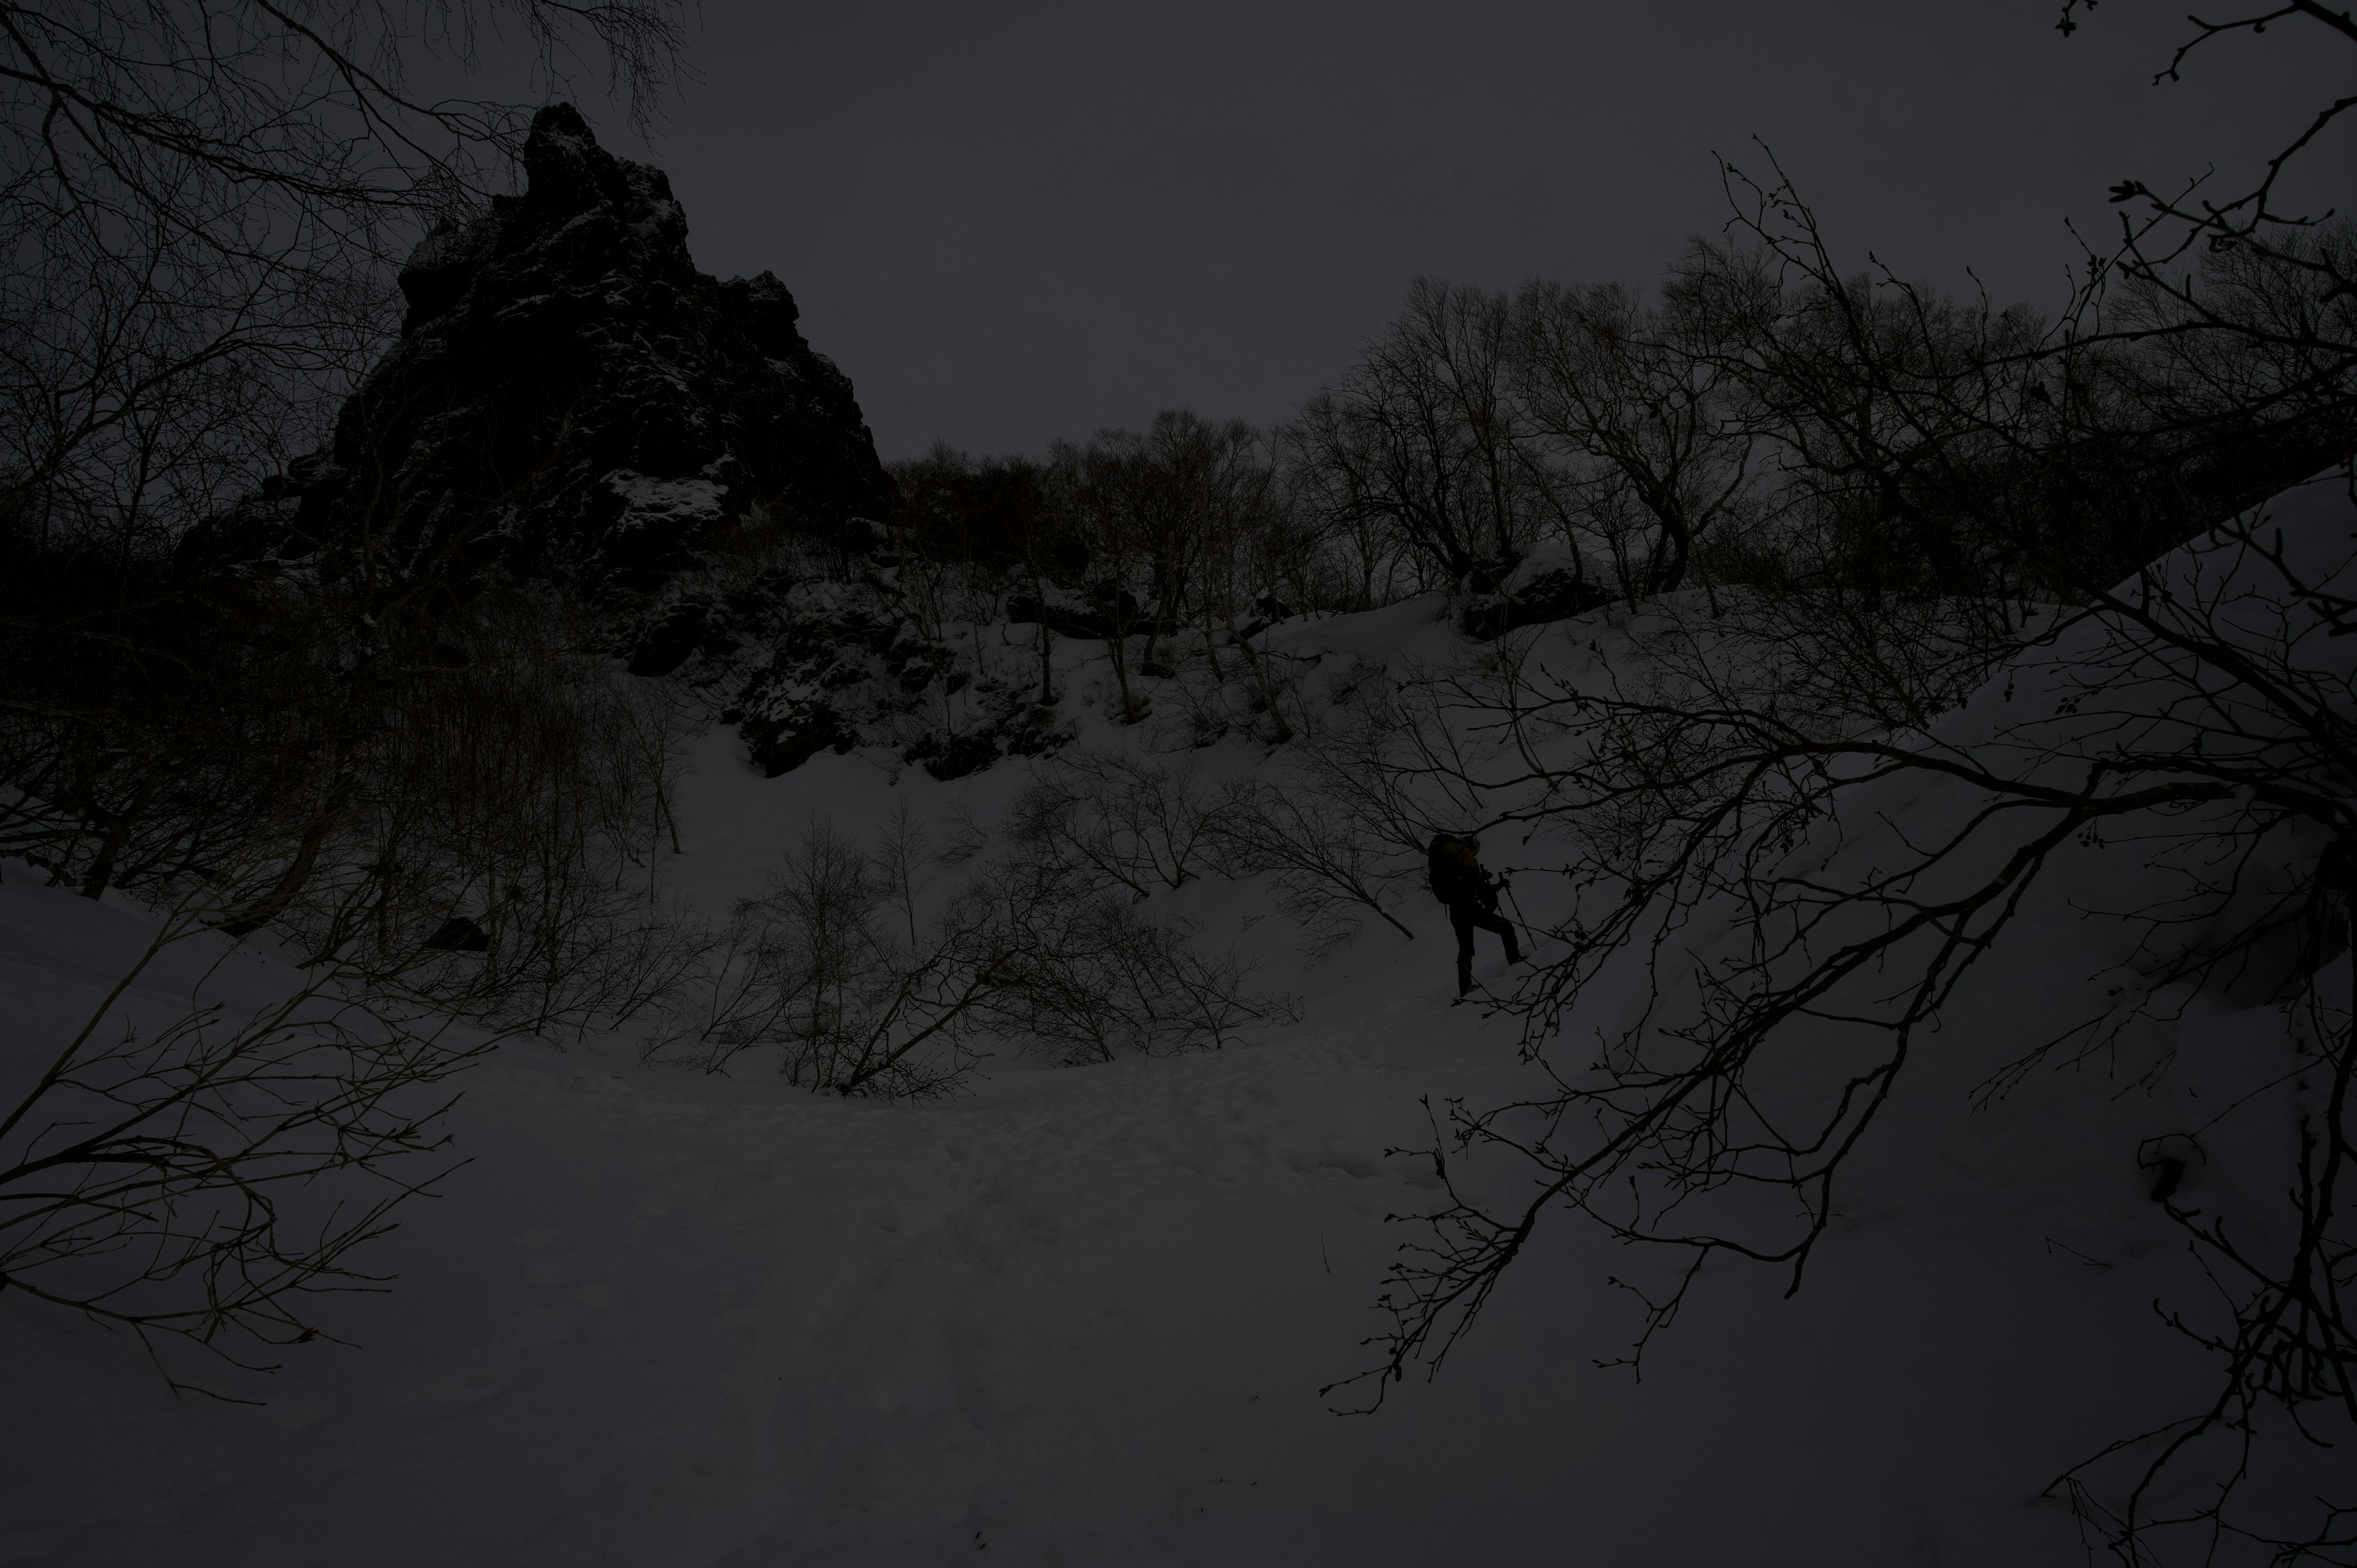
<point x="1471" y="894"/>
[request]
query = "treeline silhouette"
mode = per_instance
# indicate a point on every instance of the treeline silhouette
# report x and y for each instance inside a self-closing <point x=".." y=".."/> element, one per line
<point x="1757" y="416"/>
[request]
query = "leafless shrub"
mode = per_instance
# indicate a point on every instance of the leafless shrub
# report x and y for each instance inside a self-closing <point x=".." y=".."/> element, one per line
<point x="834" y="969"/>
<point x="197" y="1179"/>
<point x="1118" y="820"/>
<point x="1316" y="853"/>
<point x="461" y="811"/>
<point x="520" y="795"/>
<point x="1099" y="979"/>
<point x="1385" y="754"/>
<point x="862" y="980"/>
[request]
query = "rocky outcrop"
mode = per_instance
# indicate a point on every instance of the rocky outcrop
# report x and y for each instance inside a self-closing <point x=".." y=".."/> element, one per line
<point x="570" y="396"/>
<point x="808" y="663"/>
<point x="1550" y="583"/>
<point x="571" y="401"/>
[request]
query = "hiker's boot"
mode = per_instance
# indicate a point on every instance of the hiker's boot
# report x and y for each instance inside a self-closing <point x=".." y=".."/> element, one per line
<point x="1464" y="979"/>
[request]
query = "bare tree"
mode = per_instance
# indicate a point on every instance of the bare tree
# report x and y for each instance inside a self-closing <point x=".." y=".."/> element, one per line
<point x="1091" y="492"/>
<point x="1627" y="413"/>
<point x="1419" y="438"/>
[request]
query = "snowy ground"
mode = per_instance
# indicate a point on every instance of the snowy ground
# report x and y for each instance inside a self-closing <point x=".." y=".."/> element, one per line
<point x="1082" y="1315"/>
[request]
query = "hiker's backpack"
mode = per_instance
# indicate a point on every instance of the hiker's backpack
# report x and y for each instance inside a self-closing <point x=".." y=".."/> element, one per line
<point x="1449" y="867"/>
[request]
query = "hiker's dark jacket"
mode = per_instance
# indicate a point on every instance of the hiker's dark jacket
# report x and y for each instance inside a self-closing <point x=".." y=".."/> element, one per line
<point x="1459" y="881"/>
<point x="1457" y="875"/>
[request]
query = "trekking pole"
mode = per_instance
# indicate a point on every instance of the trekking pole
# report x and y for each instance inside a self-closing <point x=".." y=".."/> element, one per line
<point x="1506" y="886"/>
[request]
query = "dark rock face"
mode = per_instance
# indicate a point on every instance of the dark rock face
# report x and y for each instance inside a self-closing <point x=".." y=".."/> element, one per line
<point x="571" y="401"/>
<point x="808" y="661"/>
<point x="570" y="396"/>
<point x="1067" y="614"/>
<point x="1538" y="590"/>
<point x="776" y="746"/>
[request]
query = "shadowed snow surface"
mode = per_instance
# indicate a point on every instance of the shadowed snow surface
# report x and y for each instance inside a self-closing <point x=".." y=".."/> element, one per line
<point x="1082" y="1315"/>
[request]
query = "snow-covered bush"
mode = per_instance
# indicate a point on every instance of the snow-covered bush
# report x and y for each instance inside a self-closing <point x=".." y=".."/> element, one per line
<point x="856" y="975"/>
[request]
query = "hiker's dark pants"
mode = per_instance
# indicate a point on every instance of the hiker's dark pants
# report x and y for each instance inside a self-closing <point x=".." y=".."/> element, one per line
<point x="1468" y="916"/>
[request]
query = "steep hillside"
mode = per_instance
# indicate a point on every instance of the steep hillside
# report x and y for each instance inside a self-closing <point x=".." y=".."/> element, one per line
<point x="1083" y="1314"/>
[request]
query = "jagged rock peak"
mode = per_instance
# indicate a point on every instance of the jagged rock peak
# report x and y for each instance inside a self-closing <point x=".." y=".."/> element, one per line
<point x="582" y="213"/>
<point x="571" y="396"/>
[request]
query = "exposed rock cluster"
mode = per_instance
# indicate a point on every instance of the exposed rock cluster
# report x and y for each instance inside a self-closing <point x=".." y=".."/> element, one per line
<point x="570" y="395"/>
<point x="570" y="401"/>
<point x="804" y="662"/>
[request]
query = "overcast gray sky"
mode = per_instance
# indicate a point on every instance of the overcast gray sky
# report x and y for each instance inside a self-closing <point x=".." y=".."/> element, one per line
<point x="1010" y="222"/>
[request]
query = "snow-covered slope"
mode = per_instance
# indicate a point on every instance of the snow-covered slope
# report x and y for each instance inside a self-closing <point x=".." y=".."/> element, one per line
<point x="1082" y="1315"/>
